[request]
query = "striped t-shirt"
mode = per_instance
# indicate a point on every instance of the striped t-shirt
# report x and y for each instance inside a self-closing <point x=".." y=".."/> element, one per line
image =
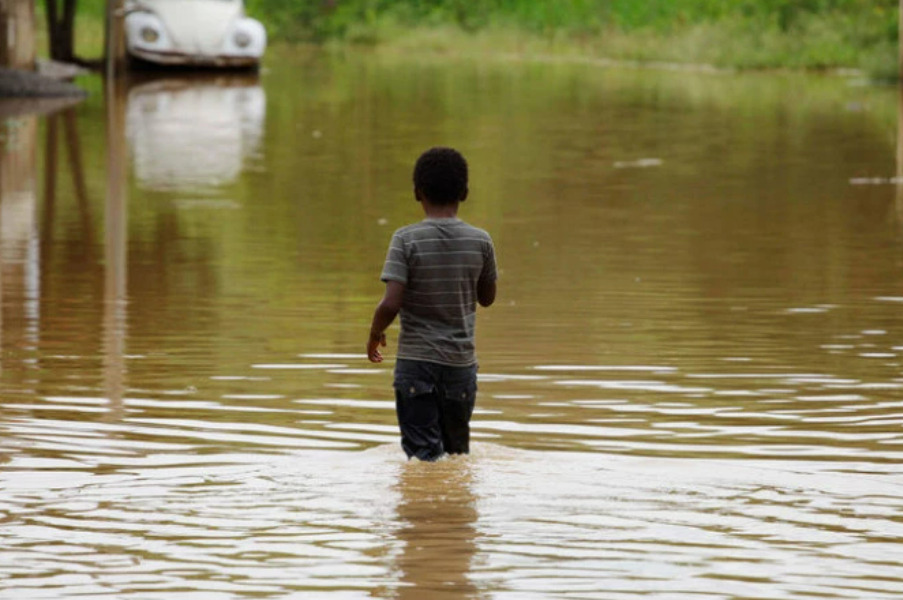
<point x="439" y="261"/>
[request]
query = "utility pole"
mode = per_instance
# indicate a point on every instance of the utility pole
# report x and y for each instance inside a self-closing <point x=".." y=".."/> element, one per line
<point x="115" y="39"/>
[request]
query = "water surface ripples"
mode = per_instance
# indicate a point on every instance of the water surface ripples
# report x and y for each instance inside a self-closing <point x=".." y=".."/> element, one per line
<point x="689" y="387"/>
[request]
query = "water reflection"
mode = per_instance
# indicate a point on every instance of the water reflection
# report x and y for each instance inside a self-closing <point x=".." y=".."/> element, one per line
<point x="714" y="411"/>
<point x="19" y="251"/>
<point x="115" y="312"/>
<point x="193" y="133"/>
<point x="64" y="125"/>
<point x="899" y="172"/>
<point x="30" y="244"/>
<point x="437" y="515"/>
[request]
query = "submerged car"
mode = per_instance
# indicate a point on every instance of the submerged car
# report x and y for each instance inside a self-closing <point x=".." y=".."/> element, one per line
<point x="200" y="33"/>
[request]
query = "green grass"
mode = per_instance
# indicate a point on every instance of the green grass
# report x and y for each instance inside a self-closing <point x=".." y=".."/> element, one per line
<point x="741" y="34"/>
<point x="723" y="44"/>
<point x="89" y="29"/>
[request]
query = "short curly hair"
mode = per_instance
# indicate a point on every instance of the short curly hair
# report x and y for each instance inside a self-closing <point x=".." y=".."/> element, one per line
<point x="440" y="175"/>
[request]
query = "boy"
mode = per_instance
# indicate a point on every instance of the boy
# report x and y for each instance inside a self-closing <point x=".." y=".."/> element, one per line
<point x="435" y="273"/>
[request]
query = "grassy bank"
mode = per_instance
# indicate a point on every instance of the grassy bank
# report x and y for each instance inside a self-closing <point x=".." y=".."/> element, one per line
<point x="89" y="29"/>
<point x="743" y="34"/>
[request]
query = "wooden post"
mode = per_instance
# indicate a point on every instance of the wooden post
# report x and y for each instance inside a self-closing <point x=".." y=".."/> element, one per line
<point x="115" y="38"/>
<point x="17" y="34"/>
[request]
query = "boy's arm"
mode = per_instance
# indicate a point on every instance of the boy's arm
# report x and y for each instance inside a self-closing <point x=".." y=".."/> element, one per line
<point x="486" y="291"/>
<point x="486" y="283"/>
<point x="385" y="313"/>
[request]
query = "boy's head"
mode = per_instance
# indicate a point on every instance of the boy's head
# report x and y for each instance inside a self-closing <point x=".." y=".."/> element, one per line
<point x="440" y="176"/>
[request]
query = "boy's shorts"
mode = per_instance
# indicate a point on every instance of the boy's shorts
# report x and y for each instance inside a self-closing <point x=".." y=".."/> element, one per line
<point x="434" y="404"/>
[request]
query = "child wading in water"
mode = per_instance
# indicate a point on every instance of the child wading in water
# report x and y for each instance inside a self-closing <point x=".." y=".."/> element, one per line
<point x="435" y="273"/>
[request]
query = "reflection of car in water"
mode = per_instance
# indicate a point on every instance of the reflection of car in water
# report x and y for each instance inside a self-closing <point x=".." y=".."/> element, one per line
<point x="205" y="33"/>
<point x="191" y="133"/>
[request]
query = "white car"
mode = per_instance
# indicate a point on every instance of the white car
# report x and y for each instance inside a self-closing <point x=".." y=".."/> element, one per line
<point x="202" y="33"/>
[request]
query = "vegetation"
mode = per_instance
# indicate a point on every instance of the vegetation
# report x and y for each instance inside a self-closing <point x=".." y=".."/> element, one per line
<point x="746" y="34"/>
<point x="87" y="29"/>
<point x="728" y="33"/>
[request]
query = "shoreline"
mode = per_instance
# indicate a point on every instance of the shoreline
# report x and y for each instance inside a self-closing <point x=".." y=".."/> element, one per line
<point x="404" y="51"/>
<point x="693" y="49"/>
<point x="728" y="45"/>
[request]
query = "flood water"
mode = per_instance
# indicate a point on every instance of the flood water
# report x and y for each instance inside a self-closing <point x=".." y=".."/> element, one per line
<point x="691" y="384"/>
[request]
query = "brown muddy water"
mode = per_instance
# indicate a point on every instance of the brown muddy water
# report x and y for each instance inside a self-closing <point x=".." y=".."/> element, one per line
<point x="691" y="385"/>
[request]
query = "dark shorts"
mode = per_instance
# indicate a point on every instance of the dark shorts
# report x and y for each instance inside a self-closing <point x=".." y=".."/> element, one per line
<point x="434" y="404"/>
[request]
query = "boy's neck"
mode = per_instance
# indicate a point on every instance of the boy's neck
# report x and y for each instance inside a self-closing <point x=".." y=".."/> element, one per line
<point x="439" y="211"/>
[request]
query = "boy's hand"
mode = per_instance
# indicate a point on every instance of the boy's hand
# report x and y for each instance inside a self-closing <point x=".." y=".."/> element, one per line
<point x="385" y="313"/>
<point x="373" y="344"/>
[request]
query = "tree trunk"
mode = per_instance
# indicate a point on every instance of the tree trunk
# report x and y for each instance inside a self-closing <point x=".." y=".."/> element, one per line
<point x="61" y="29"/>
<point x="67" y="33"/>
<point x="54" y="37"/>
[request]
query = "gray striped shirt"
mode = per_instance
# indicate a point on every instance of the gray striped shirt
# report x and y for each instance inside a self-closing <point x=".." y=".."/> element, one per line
<point x="439" y="261"/>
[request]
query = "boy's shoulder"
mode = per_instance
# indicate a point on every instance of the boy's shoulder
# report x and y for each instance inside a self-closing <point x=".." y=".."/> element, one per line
<point x="457" y="225"/>
<point x="408" y="229"/>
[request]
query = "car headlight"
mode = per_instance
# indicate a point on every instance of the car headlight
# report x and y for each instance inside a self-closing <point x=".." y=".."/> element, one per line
<point x="149" y="34"/>
<point x="242" y="39"/>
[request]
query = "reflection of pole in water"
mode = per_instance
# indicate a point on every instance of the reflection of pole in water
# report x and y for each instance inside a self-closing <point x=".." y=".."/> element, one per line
<point x="437" y="513"/>
<point x="899" y="198"/>
<point x="899" y="179"/>
<point x="77" y="172"/>
<point x="115" y="251"/>
<point x="19" y="252"/>
<point x="73" y="148"/>
<point x="50" y="166"/>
